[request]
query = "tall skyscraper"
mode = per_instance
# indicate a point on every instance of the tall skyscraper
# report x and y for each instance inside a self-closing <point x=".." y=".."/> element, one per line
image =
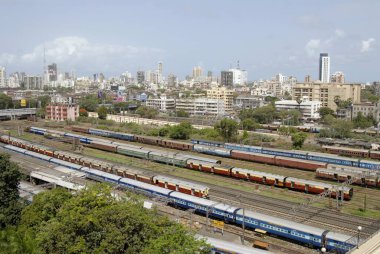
<point x="227" y="78"/>
<point x="140" y="77"/>
<point x="3" y="77"/>
<point x="197" y="72"/>
<point x="52" y="72"/>
<point x="160" y="67"/>
<point x="324" y="68"/>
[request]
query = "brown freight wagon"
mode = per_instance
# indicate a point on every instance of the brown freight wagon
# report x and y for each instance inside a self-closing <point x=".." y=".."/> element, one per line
<point x="103" y="146"/>
<point x="79" y="129"/>
<point x="298" y="163"/>
<point x="176" y="145"/>
<point x="249" y="156"/>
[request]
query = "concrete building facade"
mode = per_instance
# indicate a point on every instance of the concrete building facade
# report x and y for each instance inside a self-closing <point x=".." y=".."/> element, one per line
<point x="308" y="109"/>
<point x="62" y="112"/>
<point x="201" y="106"/>
<point x="249" y="102"/>
<point x="222" y="93"/>
<point x="33" y="82"/>
<point x="227" y="78"/>
<point x="163" y="104"/>
<point x="327" y="92"/>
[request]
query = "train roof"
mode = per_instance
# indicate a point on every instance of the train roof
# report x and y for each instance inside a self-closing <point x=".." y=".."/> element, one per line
<point x="193" y="199"/>
<point x="181" y="182"/>
<point x="253" y="153"/>
<point x="341" y="237"/>
<point x="282" y="222"/>
<point x="345" y="148"/>
<point x="314" y="183"/>
<point x="127" y="145"/>
<point x="244" y="146"/>
<point x="208" y="141"/>
<point x="15" y="148"/>
<point x="301" y="160"/>
<point x="66" y="163"/>
<point x="38" y="128"/>
<point x="231" y="247"/>
<point x="198" y="158"/>
<point x="38" y="155"/>
<point x="100" y="173"/>
<point x="146" y="186"/>
<point x="370" y="162"/>
<point x="260" y="173"/>
<point x="142" y="150"/>
<point x="73" y="155"/>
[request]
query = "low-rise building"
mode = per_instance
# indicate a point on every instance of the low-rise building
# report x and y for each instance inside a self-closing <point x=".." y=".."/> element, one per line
<point x="249" y="102"/>
<point x="327" y="92"/>
<point x="308" y="109"/>
<point x="62" y="112"/>
<point x="163" y="103"/>
<point x="201" y="106"/>
<point x="222" y="93"/>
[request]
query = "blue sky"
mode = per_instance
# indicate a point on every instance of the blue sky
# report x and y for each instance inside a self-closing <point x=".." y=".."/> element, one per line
<point x="267" y="37"/>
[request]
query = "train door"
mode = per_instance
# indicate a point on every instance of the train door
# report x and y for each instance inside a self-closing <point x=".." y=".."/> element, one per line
<point x="335" y="176"/>
<point x="363" y="181"/>
<point x="275" y="181"/>
<point x="177" y="188"/>
<point x="212" y="169"/>
<point x="264" y="179"/>
<point x="166" y="185"/>
<point x="200" y="167"/>
<point x="306" y="188"/>
<point x="292" y="184"/>
<point x="192" y="191"/>
<point x="248" y="176"/>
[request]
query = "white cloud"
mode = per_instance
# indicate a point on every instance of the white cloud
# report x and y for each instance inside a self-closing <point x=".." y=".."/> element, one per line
<point x="313" y="47"/>
<point x="340" y="33"/>
<point x="78" y="52"/>
<point x="367" y="45"/>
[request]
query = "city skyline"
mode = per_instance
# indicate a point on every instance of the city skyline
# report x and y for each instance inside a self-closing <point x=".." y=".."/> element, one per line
<point x="112" y="40"/>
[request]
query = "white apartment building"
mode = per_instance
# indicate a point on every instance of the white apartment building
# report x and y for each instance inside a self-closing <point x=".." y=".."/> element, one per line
<point x="240" y="77"/>
<point x="308" y="109"/>
<point x="3" y="77"/>
<point x="324" y="68"/>
<point x="201" y="106"/>
<point x="162" y="104"/>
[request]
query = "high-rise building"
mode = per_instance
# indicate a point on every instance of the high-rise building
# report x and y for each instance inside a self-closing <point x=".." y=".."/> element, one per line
<point x="3" y="77"/>
<point x="324" y="68"/>
<point x="160" y="67"/>
<point x="227" y="78"/>
<point x="209" y="74"/>
<point x="33" y="82"/>
<point x="338" y="77"/>
<point x="172" y="80"/>
<point x="197" y="72"/>
<point x="52" y="72"/>
<point x="140" y="77"/>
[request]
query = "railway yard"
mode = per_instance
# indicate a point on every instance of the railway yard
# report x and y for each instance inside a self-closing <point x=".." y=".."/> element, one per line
<point x="344" y="208"/>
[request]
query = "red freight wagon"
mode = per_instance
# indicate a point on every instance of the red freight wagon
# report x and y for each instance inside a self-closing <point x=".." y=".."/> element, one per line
<point x="249" y="156"/>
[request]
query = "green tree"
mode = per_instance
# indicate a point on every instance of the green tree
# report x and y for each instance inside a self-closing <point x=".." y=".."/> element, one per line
<point x="147" y="112"/>
<point x="5" y="101"/>
<point x="83" y="112"/>
<point x="328" y="119"/>
<point x="249" y="124"/>
<point x="369" y="95"/>
<point x="89" y="102"/>
<point x="264" y="114"/>
<point x="360" y="121"/>
<point x="120" y="106"/>
<point x="298" y="139"/>
<point x="181" y="131"/>
<point x="182" y="113"/>
<point x="94" y="221"/>
<point x="290" y="117"/>
<point x="10" y="204"/>
<point x="227" y="128"/>
<point x="102" y="112"/>
<point x="324" y="111"/>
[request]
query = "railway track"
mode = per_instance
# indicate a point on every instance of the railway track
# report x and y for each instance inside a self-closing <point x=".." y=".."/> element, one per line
<point x="326" y="218"/>
<point x="284" y="208"/>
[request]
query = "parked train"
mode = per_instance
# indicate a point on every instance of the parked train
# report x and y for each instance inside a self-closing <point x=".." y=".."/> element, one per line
<point x="363" y="177"/>
<point x="352" y="152"/>
<point x="309" y="235"/>
<point x="136" y="174"/>
<point x="209" y="165"/>
<point x="288" y="158"/>
<point x="290" y="155"/>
